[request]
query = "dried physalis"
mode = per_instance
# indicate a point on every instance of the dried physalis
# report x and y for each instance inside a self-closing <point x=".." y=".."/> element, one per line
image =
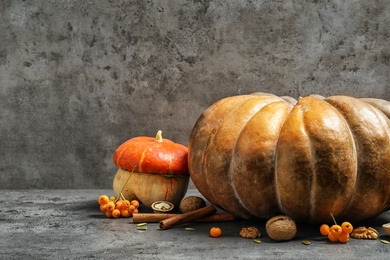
<point x="365" y="233"/>
<point x="250" y="232"/>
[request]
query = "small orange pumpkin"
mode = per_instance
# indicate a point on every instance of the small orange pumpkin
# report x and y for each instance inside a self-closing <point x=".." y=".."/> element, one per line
<point x="157" y="167"/>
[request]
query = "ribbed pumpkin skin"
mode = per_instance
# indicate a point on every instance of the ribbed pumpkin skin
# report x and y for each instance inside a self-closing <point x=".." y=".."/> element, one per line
<point x="150" y="156"/>
<point x="259" y="155"/>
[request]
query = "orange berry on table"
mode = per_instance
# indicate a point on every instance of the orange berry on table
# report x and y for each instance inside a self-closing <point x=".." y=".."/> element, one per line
<point x="215" y="232"/>
<point x="103" y="207"/>
<point x="116" y="213"/>
<point x="126" y="204"/>
<point x="135" y="203"/>
<point x="135" y="211"/>
<point x="119" y="204"/>
<point x="103" y="199"/>
<point x="112" y="198"/>
<point x="344" y="237"/>
<point x="347" y="227"/>
<point x="110" y="206"/>
<point x="125" y="213"/>
<point x="332" y="237"/>
<point x="132" y="208"/>
<point x="335" y="230"/>
<point x="324" y="229"/>
<point x="108" y="214"/>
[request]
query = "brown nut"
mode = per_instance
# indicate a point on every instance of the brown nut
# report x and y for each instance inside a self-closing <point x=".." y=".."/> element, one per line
<point x="281" y="228"/>
<point x="365" y="233"/>
<point x="250" y="232"/>
<point x="191" y="203"/>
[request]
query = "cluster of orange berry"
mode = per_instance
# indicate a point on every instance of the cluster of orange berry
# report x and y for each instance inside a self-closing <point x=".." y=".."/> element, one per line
<point x="116" y="208"/>
<point x="337" y="233"/>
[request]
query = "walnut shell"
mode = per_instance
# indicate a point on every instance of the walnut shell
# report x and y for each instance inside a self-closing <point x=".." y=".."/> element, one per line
<point x="191" y="203"/>
<point x="162" y="206"/>
<point x="386" y="227"/>
<point x="281" y="228"/>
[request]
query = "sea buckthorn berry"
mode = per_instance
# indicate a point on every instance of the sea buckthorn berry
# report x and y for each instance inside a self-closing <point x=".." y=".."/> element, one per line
<point x="347" y="227"/>
<point x="103" y="208"/>
<point x="215" y="232"/>
<point x="126" y="204"/>
<point x="112" y="198"/>
<point x="103" y="199"/>
<point x="132" y="208"/>
<point x="108" y="214"/>
<point x="125" y="213"/>
<point x="344" y="237"/>
<point x="335" y="230"/>
<point x="110" y="206"/>
<point x="116" y="213"/>
<point x="119" y="204"/>
<point x="135" y="203"/>
<point x="332" y="237"/>
<point x="324" y="229"/>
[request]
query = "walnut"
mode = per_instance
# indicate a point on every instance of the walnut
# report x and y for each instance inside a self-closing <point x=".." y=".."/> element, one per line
<point x="250" y="232"/>
<point x="191" y="203"/>
<point x="365" y="233"/>
<point x="281" y="228"/>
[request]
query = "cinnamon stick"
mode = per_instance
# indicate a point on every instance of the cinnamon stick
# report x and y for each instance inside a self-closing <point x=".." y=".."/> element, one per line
<point x="157" y="217"/>
<point x="187" y="217"/>
<point x="152" y="217"/>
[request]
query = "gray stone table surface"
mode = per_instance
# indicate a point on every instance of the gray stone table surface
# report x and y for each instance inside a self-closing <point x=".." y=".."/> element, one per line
<point x="67" y="224"/>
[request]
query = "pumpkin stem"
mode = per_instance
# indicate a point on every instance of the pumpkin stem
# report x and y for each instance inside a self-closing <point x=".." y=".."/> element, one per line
<point x="159" y="136"/>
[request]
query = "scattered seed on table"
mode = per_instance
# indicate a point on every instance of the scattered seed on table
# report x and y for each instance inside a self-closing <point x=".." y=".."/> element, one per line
<point x="142" y="228"/>
<point x="141" y="224"/>
<point x="385" y="241"/>
<point x="258" y="241"/>
<point x="189" y="229"/>
<point x="306" y="242"/>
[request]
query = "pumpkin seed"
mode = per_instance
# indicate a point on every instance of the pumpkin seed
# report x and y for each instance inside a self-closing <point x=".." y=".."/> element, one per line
<point x="385" y="241"/>
<point x="306" y="242"/>
<point x="258" y="241"/>
<point x="190" y="229"/>
<point x="141" y="224"/>
<point x="142" y="228"/>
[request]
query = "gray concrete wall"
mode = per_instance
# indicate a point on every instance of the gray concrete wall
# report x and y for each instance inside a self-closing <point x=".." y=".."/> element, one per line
<point x="77" y="78"/>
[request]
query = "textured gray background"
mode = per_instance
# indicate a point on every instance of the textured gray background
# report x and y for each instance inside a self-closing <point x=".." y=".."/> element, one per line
<point x="77" y="78"/>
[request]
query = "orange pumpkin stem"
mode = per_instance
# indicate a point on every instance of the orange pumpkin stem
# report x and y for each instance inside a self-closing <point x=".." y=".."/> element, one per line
<point x="159" y="137"/>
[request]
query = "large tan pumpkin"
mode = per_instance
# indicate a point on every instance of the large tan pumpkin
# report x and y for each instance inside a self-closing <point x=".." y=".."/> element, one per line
<point x="260" y="155"/>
